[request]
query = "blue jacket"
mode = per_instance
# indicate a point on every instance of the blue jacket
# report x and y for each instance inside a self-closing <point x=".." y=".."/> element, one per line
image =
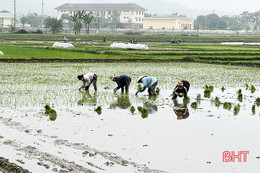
<point x="148" y="81"/>
<point x="121" y="80"/>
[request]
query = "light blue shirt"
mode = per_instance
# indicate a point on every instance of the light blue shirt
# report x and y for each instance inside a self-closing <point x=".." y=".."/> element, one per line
<point x="148" y="81"/>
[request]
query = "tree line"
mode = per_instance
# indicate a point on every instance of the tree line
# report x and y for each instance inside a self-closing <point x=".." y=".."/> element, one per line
<point x="244" y="21"/>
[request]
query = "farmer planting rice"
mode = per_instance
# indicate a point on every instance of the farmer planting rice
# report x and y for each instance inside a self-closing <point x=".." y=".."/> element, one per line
<point x="122" y="81"/>
<point x="88" y="79"/>
<point x="148" y="82"/>
<point x="181" y="89"/>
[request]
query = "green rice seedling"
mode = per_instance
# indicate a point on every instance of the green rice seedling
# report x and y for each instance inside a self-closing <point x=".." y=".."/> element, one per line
<point x="53" y="112"/>
<point x="47" y="109"/>
<point x="157" y="90"/>
<point x="239" y="91"/>
<point x="236" y="109"/>
<point x="144" y="113"/>
<point x="98" y="110"/>
<point x="198" y="97"/>
<point x="240" y="97"/>
<point x="106" y="87"/>
<point x="207" y="93"/>
<point x="247" y="86"/>
<point x="253" y="89"/>
<point x="53" y="117"/>
<point x="217" y="102"/>
<point x="132" y="109"/>
<point x="194" y="105"/>
<point x="227" y="105"/>
<point x="257" y="101"/>
<point x="186" y="100"/>
<point x="253" y="109"/>
<point x="139" y="87"/>
<point x="211" y="88"/>
<point x="223" y="89"/>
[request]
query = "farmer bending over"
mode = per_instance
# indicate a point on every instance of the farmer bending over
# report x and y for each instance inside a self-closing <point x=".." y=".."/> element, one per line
<point x="122" y="81"/>
<point x="88" y="79"/>
<point x="181" y="89"/>
<point x="148" y="82"/>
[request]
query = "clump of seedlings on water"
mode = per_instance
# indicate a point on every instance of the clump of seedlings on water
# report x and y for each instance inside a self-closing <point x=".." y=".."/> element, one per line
<point x="217" y="102"/>
<point x="240" y="95"/>
<point x="257" y="101"/>
<point x="223" y="89"/>
<point x="247" y="86"/>
<point x="186" y="100"/>
<point x="253" y="109"/>
<point x="227" y="105"/>
<point x="253" y="89"/>
<point x="236" y="109"/>
<point x="98" y="110"/>
<point x="144" y="113"/>
<point x="132" y="109"/>
<point x="139" y="87"/>
<point x="198" y="98"/>
<point x="208" y="90"/>
<point x="157" y="91"/>
<point x="194" y="105"/>
<point x="51" y="112"/>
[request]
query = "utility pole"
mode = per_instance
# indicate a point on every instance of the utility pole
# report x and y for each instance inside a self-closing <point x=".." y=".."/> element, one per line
<point x="42" y="13"/>
<point x="14" y="13"/>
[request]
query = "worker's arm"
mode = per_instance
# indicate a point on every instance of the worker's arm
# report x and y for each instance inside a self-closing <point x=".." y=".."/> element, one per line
<point x="140" y="90"/>
<point x="117" y="88"/>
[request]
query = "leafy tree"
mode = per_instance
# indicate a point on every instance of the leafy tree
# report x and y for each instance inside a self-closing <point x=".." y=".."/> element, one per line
<point x="54" y="24"/>
<point x="115" y="18"/>
<point x="34" y="19"/>
<point x="87" y="18"/>
<point x="23" y="20"/>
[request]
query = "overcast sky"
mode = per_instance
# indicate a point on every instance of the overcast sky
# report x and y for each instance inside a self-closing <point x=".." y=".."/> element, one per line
<point x="189" y="7"/>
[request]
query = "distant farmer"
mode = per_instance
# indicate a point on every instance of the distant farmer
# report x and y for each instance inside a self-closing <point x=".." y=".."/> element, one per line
<point x="122" y="81"/>
<point x="104" y="38"/>
<point x="181" y="89"/>
<point x="148" y="82"/>
<point x="65" y="38"/>
<point x="88" y="79"/>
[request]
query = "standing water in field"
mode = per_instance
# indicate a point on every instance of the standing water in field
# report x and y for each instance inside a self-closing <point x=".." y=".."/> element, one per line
<point x="103" y="131"/>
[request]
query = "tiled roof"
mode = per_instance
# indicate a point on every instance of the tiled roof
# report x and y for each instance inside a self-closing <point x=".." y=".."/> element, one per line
<point x="100" y="7"/>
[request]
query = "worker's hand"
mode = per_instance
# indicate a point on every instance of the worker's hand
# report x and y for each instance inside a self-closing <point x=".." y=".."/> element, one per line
<point x="136" y="93"/>
<point x="176" y="93"/>
<point x="115" y="90"/>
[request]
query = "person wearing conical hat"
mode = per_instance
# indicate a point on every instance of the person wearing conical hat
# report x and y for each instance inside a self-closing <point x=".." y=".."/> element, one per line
<point x="123" y="82"/>
<point x="148" y="82"/>
<point x="181" y="89"/>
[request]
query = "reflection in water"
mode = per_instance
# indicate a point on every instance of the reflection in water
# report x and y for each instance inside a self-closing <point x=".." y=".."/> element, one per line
<point x="148" y="108"/>
<point x="122" y="102"/>
<point x="87" y="98"/>
<point x="181" y="110"/>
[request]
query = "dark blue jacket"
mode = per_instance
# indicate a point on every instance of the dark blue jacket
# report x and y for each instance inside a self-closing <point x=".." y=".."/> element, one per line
<point x="121" y="80"/>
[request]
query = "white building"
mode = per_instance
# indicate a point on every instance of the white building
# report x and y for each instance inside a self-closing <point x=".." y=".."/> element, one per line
<point x="6" y="19"/>
<point x="130" y="14"/>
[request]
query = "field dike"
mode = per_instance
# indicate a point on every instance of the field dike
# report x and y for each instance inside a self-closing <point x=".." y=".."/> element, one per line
<point x="187" y="59"/>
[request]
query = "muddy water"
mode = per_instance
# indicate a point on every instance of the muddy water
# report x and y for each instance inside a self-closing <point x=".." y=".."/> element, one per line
<point x="172" y="137"/>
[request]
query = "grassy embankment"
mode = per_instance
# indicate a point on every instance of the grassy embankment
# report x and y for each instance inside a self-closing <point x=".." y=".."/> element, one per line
<point x="193" y="48"/>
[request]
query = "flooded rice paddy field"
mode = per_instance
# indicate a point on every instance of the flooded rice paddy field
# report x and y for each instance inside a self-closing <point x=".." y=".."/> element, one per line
<point x="174" y="136"/>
